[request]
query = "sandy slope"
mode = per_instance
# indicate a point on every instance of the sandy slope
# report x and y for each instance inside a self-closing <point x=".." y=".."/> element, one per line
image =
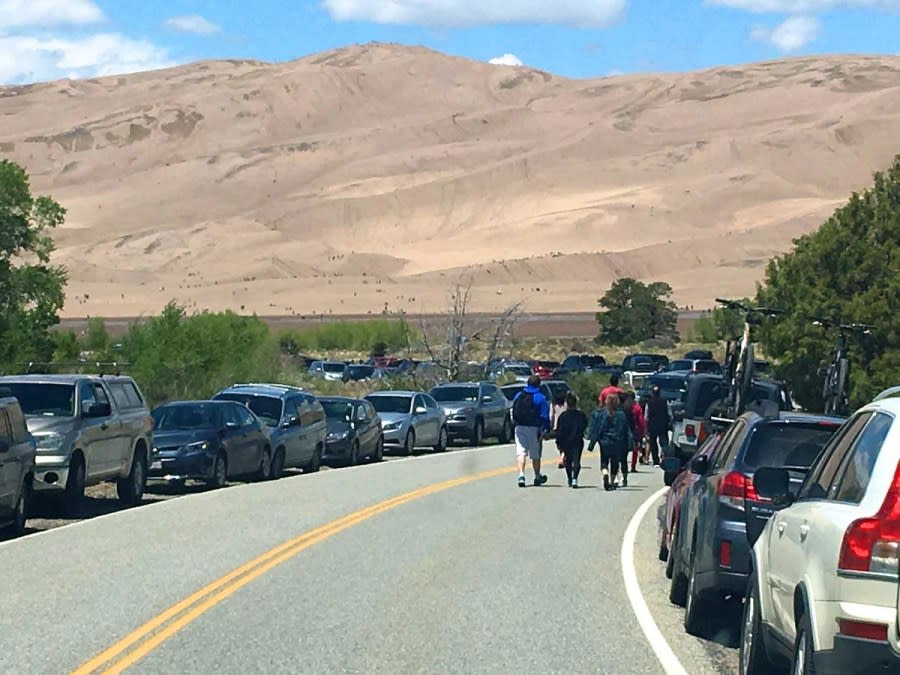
<point x="375" y="174"/>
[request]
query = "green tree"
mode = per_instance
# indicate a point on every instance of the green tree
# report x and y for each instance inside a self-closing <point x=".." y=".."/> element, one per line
<point x="96" y="337"/>
<point x="705" y="331"/>
<point x="31" y="289"/>
<point x="635" y="312"/>
<point x="848" y="271"/>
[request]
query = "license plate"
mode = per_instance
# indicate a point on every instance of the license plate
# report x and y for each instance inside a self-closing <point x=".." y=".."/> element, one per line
<point x="156" y="465"/>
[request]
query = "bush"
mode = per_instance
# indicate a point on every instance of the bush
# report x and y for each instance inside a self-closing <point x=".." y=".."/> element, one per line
<point x="357" y="336"/>
<point x="704" y="331"/>
<point x="587" y="387"/>
<point x="635" y="312"/>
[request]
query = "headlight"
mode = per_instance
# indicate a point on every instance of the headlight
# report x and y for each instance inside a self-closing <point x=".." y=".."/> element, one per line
<point x="344" y="435"/>
<point x="49" y="441"/>
<point x="392" y="426"/>
<point x="200" y="446"/>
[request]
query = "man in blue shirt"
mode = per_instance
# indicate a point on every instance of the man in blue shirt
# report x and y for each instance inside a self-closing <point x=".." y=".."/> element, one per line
<point x="531" y="415"/>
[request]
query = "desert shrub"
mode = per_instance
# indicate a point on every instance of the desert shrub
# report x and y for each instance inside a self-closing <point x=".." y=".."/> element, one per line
<point x="358" y="336"/>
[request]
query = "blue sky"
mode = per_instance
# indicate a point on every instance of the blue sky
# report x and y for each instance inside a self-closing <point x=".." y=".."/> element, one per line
<point x="46" y="39"/>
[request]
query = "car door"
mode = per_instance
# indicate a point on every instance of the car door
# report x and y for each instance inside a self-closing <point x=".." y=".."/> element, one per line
<point x="103" y="442"/>
<point x="9" y="469"/>
<point x="294" y="447"/>
<point x="437" y="414"/>
<point x="493" y="415"/>
<point x="785" y="565"/>
<point x="243" y="457"/>
<point x="423" y="423"/>
<point x="255" y="438"/>
<point x="126" y="421"/>
<point x="314" y="424"/>
<point x="373" y="428"/>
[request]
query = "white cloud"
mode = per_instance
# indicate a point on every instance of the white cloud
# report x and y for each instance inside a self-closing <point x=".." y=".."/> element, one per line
<point x="804" y="6"/>
<point x="477" y="12"/>
<point x="507" y="60"/>
<point x="789" y="36"/>
<point x="19" y="13"/>
<point x="193" y="23"/>
<point x="29" y="59"/>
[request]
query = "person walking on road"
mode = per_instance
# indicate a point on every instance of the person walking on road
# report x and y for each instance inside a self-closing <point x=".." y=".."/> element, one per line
<point x="531" y="415"/>
<point x="612" y="390"/>
<point x="638" y="426"/>
<point x="570" y="428"/>
<point x="609" y="429"/>
<point x="557" y="409"/>
<point x="657" y="423"/>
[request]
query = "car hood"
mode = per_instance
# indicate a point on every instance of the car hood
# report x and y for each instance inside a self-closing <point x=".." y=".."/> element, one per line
<point x="393" y="418"/>
<point x="41" y="424"/>
<point x="170" y="440"/>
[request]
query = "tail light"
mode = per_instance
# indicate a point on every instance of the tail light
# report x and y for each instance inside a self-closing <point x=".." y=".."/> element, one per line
<point x="725" y="554"/>
<point x="862" y="630"/>
<point x="735" y="488"/>
<point x="873" y="544"/>
<point x="689" y="430"/>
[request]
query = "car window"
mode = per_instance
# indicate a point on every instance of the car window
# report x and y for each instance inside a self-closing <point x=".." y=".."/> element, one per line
<point x="290" y="408"/>
<point x="86" y="392"/>
<point x="391" y="404"/>
<point x="729" y="444"/>
<point x="787" y="445"/>
<point x="371" y="413"/>
<point x="360" y="414"/>
<point x="430" y="403"/>
<point x="267" y="408"/>
<point x="851" y="486"/>
<point x="245" y="418"/>
<point x="100" y="394"/>
<point x="821" y="476"/>
<point x="18" y="427"/>
<point x="419" y="402"/>
<point x="5" y="429"/>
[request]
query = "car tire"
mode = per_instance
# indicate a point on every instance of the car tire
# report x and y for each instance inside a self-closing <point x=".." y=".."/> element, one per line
<point x="219" y="473"/>
<point x="754" y="659"/>
<point x="443" y="440"/>
<point x="20" y="513"/>
<point x="316" y="463"/>
<point x="477" y="437"/>
<point x="409" y="447"/>
<point x="278" y="464"/>
<point x="264" y="472"/>
<point x="697" y="606"/>
<point x="506" y="436"/>
<point x="803" y="661"/>
<point x="379" y="452"/>
<point x="670" y="559"/>
<point x="354" y="454"/>
<point x="130" y="489"/>
<point x="663" y="552"/>
<point x="73" y="497"/>
<point x="678" y="587"/>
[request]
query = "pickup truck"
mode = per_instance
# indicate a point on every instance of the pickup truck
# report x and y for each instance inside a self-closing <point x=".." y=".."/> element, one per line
<point x="89" y="429"/>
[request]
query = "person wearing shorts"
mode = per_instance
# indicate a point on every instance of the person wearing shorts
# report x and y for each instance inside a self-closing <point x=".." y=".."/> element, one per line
<point x="531" y="416"/>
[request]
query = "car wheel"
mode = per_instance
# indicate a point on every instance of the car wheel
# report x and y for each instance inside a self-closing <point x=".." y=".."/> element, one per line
<point x="219" y="475"/>
<point x="20" y="513"/>
<point x="73" y="497"/>
<point x="754" y="660"/>
<point x="354" y="454"/>
<point x="130" y="489"/>
<point x="678" y="587"/>
<point x="507" y="433"/>
<point x="278" y="464"/>
<point x="442" y="441"/>
<point x="663" y="551"/>
<point x="697" y="606"/>
<point x="316" y="462"/>
<point x="804" y="655"/>
<point x="379" y="451"/>
<point x="264" y="472"/>
<point x="670" y="559"/>
<point x="409" y="447"/>
<point x="477" y="434"/>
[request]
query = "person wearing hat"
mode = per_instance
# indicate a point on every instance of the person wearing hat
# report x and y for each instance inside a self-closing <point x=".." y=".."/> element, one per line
<point x="657" y="423"/>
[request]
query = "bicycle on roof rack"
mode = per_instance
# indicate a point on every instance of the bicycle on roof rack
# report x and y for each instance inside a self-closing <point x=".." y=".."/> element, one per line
<point x="835" y="392"/>
<point x="740" y="361"/>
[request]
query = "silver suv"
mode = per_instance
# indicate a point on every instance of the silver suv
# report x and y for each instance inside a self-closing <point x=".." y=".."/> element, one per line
<point x="17" y="452"/>
<point x="89" y="429"/>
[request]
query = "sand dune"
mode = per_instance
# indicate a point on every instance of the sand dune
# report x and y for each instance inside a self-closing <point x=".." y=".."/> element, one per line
<point x="372" y="176"/>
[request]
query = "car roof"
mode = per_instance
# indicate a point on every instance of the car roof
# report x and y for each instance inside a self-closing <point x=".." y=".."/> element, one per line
<point x="262" y="389"/>
<point x="211" y="402"/>
<point x="338" y="399"/>
<point x="457" y="384"/>
<point x="395" y="393"/>
<point x="793" y="417"/>
<point x="49" y="379"/>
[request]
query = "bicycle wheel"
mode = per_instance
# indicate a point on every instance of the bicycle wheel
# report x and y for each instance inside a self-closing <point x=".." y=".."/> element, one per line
<point x="745" y="381"/>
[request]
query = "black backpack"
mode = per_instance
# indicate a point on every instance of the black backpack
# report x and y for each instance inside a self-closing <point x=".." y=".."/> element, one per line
<point x="524" y="411"/>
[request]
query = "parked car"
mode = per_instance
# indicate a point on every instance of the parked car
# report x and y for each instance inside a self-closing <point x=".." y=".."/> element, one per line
<point x="545" y="369"/>
<point x="354" y="431"/>
<point x="699" y="354"/>
<point x="361" y="373"/>
<point x="582" y="363"/>
<point x="824" y="591"/>
<point x="410" y="420"/>
<point x="695" y="366"/>
<point x="645" y="363"/>
<point x="672" y="388"/>
<point x="17" y="454"/>
<point x="475" y="411"/>
<point x="210" y="441"/>
<point x="549" y="388"/>
<point x="295" y="420"/>
<point x="89" y="429"/>
<point x="519" y="372"/>
<point x="722" y="514"/>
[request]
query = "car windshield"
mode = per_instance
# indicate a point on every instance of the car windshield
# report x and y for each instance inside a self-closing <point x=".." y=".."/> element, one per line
<point x="511" y="392"/>
<point x="43" y="399"/>
<point x="267" y="408"/>
<point x="334" y="367"/>
<point x="518" y="370"/>
<point x="681" y="364"/>
<point x="787" y="445"/>
<point x="447" y="394"/>
<point x="399" y="405"/>
<point x="593" y="361"/>
<point x="185" y="417"/>
<point x="338" y="410"/>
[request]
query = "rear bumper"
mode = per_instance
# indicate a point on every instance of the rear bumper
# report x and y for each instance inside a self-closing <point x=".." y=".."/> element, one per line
<point x="861" y="657"/>
<point x="733" y="579"/>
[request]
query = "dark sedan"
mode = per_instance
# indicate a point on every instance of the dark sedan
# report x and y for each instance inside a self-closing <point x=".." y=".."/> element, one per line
<point x="210" y="441"/>
<point x="354" y="431"/>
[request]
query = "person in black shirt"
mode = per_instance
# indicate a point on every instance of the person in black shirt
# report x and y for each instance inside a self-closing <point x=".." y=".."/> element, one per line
<point x="657" y="423"/>
<point x="570" y="430"/>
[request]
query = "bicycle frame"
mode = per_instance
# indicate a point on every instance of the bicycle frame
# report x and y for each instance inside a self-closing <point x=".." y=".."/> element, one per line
<point x="835" y="392"/>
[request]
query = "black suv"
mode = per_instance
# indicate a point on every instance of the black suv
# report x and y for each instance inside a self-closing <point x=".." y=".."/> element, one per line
<point x="582" y="363"/>
<point x="296" y="422"/>
<point x="721" y="513"/>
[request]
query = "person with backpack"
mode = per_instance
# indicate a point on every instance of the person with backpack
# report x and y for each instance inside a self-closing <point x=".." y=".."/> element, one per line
<point x="570" y="428"/>
<point x="531" y="416"/>
<point x="657" y="423"/>
<point x="610" y="429"/>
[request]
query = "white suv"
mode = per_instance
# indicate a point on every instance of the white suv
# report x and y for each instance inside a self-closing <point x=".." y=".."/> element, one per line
<point x="824" y="588"/>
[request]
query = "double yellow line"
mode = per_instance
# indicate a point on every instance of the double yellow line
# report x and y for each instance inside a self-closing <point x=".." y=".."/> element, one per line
<point x="139" y="643"/>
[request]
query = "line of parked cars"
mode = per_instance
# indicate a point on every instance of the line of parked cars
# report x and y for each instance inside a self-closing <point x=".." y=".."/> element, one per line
<point x="798" y="517"/>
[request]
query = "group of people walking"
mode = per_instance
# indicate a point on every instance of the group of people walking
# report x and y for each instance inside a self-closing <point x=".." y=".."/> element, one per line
<point x="619" y="426"/>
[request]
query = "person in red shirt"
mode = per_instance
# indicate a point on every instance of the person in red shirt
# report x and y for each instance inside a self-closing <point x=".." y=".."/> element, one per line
<point x="639" y="427"/>
<point x="612" y="390"/>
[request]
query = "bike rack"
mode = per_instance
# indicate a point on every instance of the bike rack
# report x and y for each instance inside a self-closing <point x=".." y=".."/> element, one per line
<point x="887" y="393"/>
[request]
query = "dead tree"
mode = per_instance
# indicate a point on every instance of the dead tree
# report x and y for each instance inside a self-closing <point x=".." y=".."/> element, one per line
<point x="503" y="328"/>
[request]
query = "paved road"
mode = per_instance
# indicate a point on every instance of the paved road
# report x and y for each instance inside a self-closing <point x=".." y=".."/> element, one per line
<point x="468" y="576"/>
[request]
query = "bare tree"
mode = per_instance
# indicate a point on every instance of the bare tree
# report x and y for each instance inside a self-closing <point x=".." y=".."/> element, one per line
<point x="504" y="325"/>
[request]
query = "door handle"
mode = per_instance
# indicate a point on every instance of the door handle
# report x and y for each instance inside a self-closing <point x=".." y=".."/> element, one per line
<point x="780" y="528"/>
<point x="804" y="531"/>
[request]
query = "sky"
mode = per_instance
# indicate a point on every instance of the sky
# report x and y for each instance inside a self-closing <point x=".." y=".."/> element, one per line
<point x="50" y="39"/>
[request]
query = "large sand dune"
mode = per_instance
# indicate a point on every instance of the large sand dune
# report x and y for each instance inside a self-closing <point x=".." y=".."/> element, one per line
<point x="375" y="175"/>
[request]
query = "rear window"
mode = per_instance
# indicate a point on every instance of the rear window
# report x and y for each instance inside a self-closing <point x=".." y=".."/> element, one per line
<point x="391" y="404"/>
<point x="787" y="445"/>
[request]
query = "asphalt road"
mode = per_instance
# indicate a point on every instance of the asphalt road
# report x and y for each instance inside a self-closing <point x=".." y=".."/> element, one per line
<point x="466" y="573"/>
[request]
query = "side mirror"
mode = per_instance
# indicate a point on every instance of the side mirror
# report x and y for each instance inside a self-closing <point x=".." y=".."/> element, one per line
<point x="97" y="410"/>
<point x="487" y="399"/>
<point x="4" y="446"/>
<point x="292" y="422"/>
<point x="231" y="426"/>
<point x="775" y="484"/>
<point x="420" y="410"/>
<point x="700" y="465"/>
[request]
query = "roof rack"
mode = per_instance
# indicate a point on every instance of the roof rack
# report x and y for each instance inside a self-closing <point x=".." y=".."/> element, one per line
<point x="888" y="393"/>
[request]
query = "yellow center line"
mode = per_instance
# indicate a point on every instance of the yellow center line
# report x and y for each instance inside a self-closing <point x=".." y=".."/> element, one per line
<point x="214" y="593"/>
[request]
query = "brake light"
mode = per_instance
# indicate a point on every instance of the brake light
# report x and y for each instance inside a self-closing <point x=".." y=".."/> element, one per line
<point x="862" y="630"/>
<point x="735" y="488"/>
<point x="873" y="544"/>
<point x="725" y="554"/>
<point x="689" y="430"/>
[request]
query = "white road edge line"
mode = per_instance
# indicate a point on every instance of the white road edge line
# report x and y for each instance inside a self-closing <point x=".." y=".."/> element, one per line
<point x="661" y="647"/>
